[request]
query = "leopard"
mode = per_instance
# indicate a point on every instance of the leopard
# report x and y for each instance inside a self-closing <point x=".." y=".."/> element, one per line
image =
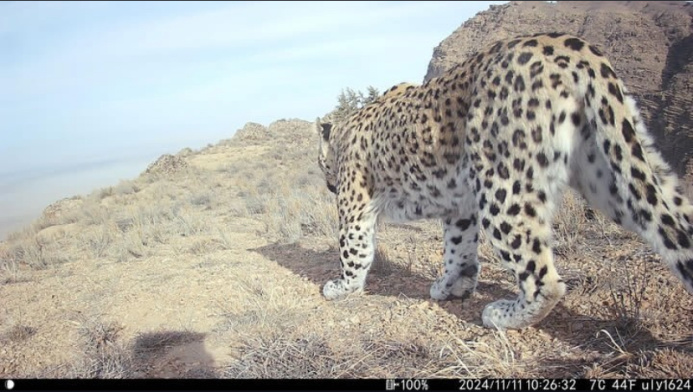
<point x="491" y="144"/>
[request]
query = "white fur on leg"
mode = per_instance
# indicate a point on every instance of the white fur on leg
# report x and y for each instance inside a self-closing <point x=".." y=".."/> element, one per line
<point x="336" y="289"/>
<point x="462" y="287"/>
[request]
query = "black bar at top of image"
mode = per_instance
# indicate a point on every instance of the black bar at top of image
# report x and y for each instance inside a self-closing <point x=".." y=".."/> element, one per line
<point x="350" y="385"/>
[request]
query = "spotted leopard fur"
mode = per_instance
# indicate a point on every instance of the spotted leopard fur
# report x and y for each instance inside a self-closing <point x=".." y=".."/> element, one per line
<point x="491" y="144"/>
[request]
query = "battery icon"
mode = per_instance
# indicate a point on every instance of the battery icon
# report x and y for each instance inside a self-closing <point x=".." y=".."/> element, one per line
<point x="391" y="385"/>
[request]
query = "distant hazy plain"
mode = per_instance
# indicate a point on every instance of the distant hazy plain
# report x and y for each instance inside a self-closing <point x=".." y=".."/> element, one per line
<point x="24" y="194"/>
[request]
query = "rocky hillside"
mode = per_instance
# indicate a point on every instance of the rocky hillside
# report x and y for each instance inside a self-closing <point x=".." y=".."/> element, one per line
<point x="649" y="43"/>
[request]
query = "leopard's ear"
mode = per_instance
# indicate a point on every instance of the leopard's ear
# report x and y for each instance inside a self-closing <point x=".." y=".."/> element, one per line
<point x="323" y="129"/>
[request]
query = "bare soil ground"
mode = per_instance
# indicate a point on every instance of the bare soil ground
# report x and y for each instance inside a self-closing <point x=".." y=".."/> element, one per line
<point x="211" y="264"/>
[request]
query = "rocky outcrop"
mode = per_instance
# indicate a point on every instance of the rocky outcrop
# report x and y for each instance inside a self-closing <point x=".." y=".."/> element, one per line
<point x="649" y="43"/>
<point x="252" y="132"/>
<point x="166" y="165"/>
<point x="289" y="131"/>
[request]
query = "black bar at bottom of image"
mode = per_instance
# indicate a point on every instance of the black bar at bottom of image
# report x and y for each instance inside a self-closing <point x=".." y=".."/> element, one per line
<point x="620" y="385"/>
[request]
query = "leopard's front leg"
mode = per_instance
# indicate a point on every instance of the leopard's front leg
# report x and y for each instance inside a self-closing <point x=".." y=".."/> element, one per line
<point x="356" y="244"/>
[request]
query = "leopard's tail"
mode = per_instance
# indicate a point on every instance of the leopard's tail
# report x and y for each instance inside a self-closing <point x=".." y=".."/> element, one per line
<point x="623" y="174"/>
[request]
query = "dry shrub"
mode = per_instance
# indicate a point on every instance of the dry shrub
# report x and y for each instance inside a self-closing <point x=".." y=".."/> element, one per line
<point x="93" y="213"/>
<point x="103" y="355"/>
<point x="189" y="222"/>
<point x="64" y="218"/>
<point x="292" y="214"/>
<point x="17" y="334"/>
<point x="382" y="263"/>
<point x="98" y="240"/>
<point x="34" y="251"/>
<point x="126" y="187"/>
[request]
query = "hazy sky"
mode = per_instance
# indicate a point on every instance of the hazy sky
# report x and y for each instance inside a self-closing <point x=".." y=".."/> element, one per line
<point x="81" y="80"/>
<point x="87" y="83"/>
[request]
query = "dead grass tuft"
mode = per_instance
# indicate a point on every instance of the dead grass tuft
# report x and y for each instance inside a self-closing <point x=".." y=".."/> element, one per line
<point x="628" y="293"/>
<point x="35" y="252"/>
<point x="93" y="213"/>
<point x="312" y="356"/>
<point x="491" y="357"/>
<point x="126" y="187"/>
<point x="98" y="241"/>
<point x="17" y="334"/>
<point x="103" y="355"/>
<point x="382" y="264"/>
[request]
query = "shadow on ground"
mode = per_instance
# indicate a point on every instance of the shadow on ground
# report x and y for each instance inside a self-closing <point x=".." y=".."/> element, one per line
<point x="564" y="324"/>
<point x="173" y="354"/>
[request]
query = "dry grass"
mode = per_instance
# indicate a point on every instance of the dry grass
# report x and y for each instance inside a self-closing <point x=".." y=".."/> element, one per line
<point x="33" y="251"/>
<point x="60" y="220"/>
<point x="104" y="355"/>
<point x="126" y="187"/>
<point x="311" y="356"/>
<point x="227" y="255"/>
<point x="382" y="264"/>
<point x="17" y="334"/>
